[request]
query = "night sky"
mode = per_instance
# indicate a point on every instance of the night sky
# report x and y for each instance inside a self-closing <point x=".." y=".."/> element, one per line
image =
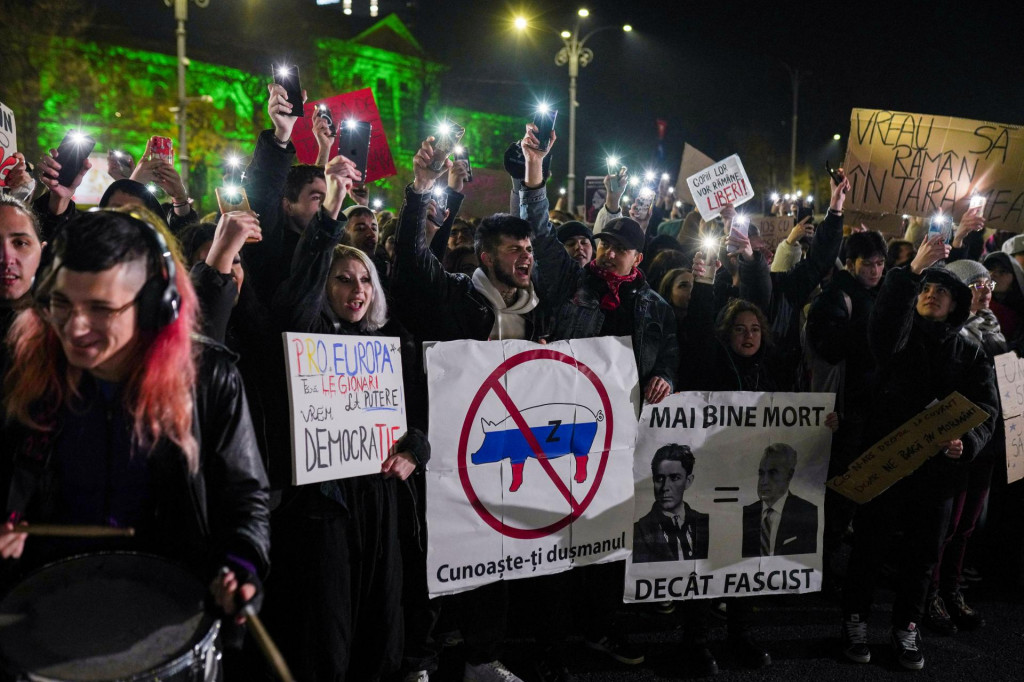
<point x="715" y="71"/>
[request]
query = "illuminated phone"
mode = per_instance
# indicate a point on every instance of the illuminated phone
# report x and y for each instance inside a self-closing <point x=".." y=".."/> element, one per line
<point x="323" y="112"/>
<point x="544" y="119"/>
<point x="741" y="224"/>
<point x="940" y="224"/>
<point x="161" y="148"/>
<point x="288" y="77"/>
<point x="72" y="152"/>
<point x="440" y="197"/>
<point x="448" y="136"/>
<point x="354" y="143"/>
<point x="644" y="202"/>
<point x="460" y="153"/>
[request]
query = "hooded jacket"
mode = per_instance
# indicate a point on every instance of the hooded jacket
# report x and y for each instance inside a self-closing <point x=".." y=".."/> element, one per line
<point x="921" y="360"/>
<point x="1008" y="306"/>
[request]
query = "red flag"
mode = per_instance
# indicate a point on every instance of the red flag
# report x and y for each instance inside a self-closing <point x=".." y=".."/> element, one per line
<point x="361" y="106"/>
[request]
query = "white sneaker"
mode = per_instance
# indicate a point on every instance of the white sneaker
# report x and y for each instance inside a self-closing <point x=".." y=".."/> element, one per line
<point x="417" y="676"/>
<point x="495" y="671"/>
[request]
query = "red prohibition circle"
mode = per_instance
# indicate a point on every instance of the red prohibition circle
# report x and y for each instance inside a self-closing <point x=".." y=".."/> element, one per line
<point x="576" y="509"/>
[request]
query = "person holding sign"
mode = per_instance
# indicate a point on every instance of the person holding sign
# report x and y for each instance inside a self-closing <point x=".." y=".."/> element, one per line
<point x="914" y="335"/>
<point x="337" y="588"/>
<point x="118" y="417"/>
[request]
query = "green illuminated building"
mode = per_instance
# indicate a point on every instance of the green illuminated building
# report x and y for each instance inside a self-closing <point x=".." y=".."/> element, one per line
<point x="134" y="93"/>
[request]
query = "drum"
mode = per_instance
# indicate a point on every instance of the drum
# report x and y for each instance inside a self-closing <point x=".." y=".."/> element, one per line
<point x="115" y="616"/>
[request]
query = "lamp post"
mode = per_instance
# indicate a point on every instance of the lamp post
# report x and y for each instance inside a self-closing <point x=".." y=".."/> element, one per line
<point x="181" y="16"/>
<point x="576" y="54"/>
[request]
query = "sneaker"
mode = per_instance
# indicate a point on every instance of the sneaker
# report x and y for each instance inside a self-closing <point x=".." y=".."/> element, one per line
<point x="495" y="671"/>
<point x="937" y="618"/>
<point x="905" y="644"/>
<point x="971" y="574"/>
<point x="665" y="607"/>
<point x="855" y="639"/>
<point x="619" y="649"/>
<point x="962" y="614"/>
<point x="416" y="676"/>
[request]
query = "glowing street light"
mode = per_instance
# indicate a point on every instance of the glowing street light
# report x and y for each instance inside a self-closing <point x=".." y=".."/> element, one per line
<point x="520" y="23"/>
<point x="837" y="137"/>
<point x="627" y="28"/>
<point x="584" y="12"/>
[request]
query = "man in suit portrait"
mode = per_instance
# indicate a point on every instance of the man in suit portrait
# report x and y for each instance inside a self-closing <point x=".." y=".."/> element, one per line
<point x="672" y="530"/>
<point x="779" y="523"/>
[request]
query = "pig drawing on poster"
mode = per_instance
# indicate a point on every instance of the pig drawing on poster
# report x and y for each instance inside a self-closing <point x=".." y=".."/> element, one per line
<point x="531" y="449"/>
<point x="347" y="404"/>
<point x="729" y="495"/>
<point x="723" y="183"/>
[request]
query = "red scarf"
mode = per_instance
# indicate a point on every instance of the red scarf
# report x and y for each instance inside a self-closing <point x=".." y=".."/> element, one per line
<point x="610" y="301"/>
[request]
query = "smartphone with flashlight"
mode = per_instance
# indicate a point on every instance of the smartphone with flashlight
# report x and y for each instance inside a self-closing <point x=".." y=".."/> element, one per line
<point x="741" y="224"/>
<point x="460" y="153"/>
<point x="544" y="119"/>
<point x="709" y="249"/>
<point x="233" y="198"/>
<point x="121" y="160"/>
<point x="72" y="152"/>
<point x="977" y="202"/>
<point x="940" y="224"/>
<point x="446" y="139"/>
<point x="644" y="202"/>
<point x="354" y="143"/>
<point x="288" y="77"/>
<point x="620" y="176"/>
<point x="323" y="112"/>
<point x="440" y="198"/>
<point x="833" y="173"/>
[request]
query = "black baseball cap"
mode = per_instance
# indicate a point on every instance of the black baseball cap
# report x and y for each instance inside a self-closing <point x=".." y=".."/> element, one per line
<point x="626" y="231"/>
<point x="574" y="228"/>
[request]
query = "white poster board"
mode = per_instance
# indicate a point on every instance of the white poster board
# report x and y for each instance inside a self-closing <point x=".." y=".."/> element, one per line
<point x="1010" y="378"/>
<point x="715" y="548"/>
<point x="531" y="454"/>
<point x="719" y="184"/>
<point x="8" y="141"/>
<point x="347" y="403"/>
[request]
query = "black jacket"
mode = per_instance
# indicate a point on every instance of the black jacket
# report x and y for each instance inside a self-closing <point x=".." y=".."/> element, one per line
<point x="920" y="361"/>
<point x="206" y="519"/>
<point x="433" y="304"/>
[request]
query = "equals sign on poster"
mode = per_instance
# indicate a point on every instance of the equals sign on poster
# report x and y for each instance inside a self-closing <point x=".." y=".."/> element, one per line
<point x="727" y="489"/>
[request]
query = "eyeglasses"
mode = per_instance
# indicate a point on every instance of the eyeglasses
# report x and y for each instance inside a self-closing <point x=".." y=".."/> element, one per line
<point x="58" y="312"/>
<point x="983" y="284"/>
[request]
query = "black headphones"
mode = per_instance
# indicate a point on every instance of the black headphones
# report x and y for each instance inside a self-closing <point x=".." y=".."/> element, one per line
<point x="159" y="300"/>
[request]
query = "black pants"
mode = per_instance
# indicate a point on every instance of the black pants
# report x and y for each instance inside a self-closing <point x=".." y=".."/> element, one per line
<point x="334" y="593"/>
<point x="920" y="507"/>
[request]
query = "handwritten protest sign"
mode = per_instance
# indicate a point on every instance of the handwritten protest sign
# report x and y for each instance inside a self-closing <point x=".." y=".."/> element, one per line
<point x="700" y="498"/>
<point x="8" y="141"/>
<point x="532" y="447"/>
<point x="1010" y="377"/>
<point x="719" y="184"/>
<point x="773" y="229"/>
<point x="693" y="161"/>
<point x="359" y="105"/>
<point x="906" y="448"/>
<point x="347" y="403"/>
<point x="919" y="164"/>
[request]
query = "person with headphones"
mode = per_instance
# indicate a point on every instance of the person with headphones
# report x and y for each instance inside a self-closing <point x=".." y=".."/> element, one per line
<point x="117" y="416"/>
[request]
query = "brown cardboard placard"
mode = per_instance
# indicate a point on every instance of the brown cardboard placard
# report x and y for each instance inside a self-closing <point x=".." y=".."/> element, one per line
<point x="907" y="447"/>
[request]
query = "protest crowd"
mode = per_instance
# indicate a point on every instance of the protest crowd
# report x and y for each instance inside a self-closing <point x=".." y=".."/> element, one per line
<point x="145" y="388"/>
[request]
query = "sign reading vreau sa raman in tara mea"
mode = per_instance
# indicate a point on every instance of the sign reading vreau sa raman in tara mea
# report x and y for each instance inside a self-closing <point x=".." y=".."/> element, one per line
<point x="918" y="164"/>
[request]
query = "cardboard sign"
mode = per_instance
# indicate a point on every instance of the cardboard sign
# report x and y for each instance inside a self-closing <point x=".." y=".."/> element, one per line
<point x="693" y="161"/>
<point x="701" y="537"/>
<point x="904" y="450"/>
<point x="359" y="105"/>
<point x="8" y="141"/>
<point x="347" y="403"/>
<point x="773" y="229"/>
<point x="532" y="448"/>
<point x="919" y="164"/>
<point x="1010" y="378"/>
<point x="719" y="184"/>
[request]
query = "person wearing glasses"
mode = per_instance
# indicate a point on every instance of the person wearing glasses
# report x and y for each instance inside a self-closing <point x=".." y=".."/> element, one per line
<point x="117" y="416"/>
<point x="915" y="335"/>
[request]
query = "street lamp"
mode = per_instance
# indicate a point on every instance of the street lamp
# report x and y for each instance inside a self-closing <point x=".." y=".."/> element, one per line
<point x="575" y="54"/>
<point x="181" y="16"/>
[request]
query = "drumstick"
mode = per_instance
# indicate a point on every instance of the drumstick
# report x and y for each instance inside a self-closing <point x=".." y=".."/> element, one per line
<point x="56" y="530"/>
<point x="263" y="639"/>
<point x="266" y="644"/>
